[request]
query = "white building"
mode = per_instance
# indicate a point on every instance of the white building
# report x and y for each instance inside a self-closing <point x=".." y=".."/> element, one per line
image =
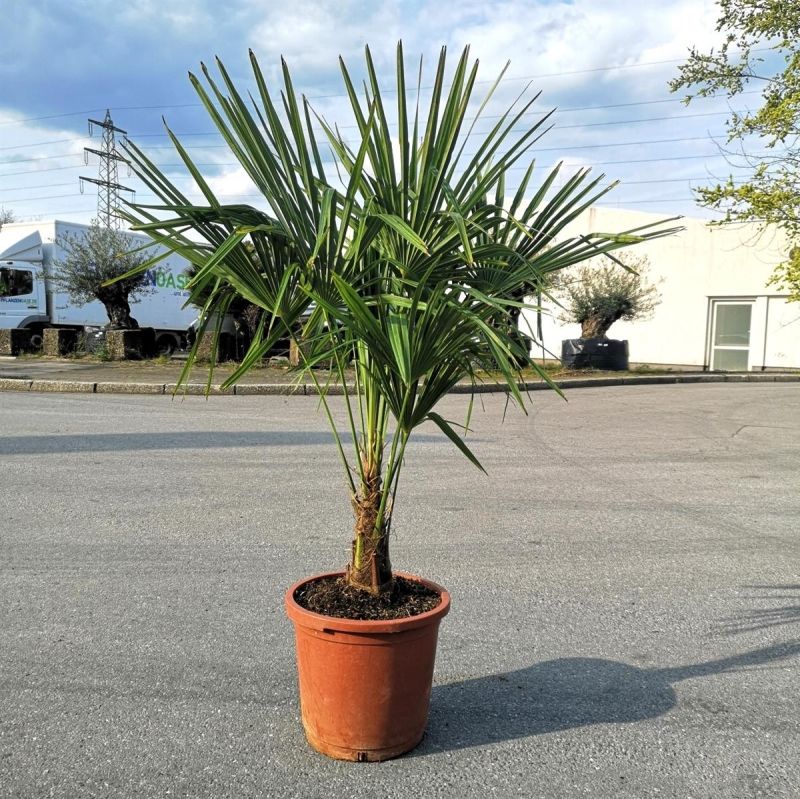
<point x="716" y="310"/>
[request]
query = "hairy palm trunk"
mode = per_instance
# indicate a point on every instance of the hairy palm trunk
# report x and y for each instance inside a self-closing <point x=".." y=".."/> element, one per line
<point x="370" y="568"/>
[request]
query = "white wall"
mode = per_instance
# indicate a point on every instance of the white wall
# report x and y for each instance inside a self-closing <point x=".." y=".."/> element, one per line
<point x="695" y="267"/>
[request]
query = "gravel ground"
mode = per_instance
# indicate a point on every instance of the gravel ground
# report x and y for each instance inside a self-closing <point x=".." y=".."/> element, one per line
<point x="625" y="587"/>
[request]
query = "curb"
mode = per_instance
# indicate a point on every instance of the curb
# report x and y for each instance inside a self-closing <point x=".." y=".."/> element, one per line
<point x="289" y="389"/>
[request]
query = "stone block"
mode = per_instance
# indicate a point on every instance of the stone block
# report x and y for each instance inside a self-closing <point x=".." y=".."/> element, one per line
<point x="225" y="348"/>
<point x="66" y="386"/>
<point x="16" y="341"/>
<point x="698" y="378"/>
<point x="196" y="389"/>
<point x="15" y="384"/>
<point x="59" y="341"/>
<point x="124" y="345"/>
<point x="274" y="389"/>
<point x="130" y="388"/>
<point x="147" y="346"/>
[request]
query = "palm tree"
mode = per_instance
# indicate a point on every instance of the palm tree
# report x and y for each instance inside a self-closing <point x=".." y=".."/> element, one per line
<point x="396" y="251"/>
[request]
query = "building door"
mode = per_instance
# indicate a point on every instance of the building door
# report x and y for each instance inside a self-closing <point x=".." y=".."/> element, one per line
<point x="730" y="336"/>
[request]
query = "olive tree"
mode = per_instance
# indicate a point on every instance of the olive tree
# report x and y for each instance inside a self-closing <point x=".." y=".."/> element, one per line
<point x="91" y="260"/>
<point x="595" y="295"/>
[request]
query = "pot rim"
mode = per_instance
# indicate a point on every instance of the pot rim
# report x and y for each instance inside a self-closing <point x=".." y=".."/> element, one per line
<point x="318" y="621"/>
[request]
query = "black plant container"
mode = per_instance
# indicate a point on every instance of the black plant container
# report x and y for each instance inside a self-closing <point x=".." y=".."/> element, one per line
<point x="607" y="354"/>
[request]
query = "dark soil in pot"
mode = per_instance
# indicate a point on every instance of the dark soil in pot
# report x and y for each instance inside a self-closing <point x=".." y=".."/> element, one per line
<point x="332" y="596"/>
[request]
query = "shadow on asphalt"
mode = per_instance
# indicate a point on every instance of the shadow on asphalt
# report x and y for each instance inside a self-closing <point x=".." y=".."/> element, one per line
<point x="564" y="694"/>
<point x="129" y="442"/>
<point x="763" y="618"/>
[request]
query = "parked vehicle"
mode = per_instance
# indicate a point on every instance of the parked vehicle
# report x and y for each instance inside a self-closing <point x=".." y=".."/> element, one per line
<point x="30" y="300"/>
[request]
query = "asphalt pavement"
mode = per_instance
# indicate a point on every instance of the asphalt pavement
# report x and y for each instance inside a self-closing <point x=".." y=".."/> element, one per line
<point x="625" y="595"/>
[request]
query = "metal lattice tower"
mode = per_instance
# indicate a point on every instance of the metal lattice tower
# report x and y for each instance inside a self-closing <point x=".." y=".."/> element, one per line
<point x="108" y="182"/>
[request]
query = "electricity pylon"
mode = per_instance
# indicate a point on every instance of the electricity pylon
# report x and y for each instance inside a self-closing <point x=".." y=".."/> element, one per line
<point x="108" y="182"/>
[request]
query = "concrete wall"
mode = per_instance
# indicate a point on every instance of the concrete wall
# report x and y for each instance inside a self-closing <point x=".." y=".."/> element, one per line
<point x="696" y="269"/>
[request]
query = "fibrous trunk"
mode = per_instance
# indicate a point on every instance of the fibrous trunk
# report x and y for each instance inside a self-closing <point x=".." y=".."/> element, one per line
<point x="596" y="326"/>
<point x="119" y="310"/>
<point x="370" y="568"/>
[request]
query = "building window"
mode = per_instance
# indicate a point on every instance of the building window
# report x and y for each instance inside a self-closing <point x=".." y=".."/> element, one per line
<point x="730" y="336"/>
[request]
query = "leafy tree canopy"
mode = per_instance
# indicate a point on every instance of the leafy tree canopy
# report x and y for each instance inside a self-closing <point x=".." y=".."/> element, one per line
<point x="760" y="46"/>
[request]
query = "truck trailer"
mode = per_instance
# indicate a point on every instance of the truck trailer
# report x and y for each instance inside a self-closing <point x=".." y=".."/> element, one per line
<point x="29" y="299"/>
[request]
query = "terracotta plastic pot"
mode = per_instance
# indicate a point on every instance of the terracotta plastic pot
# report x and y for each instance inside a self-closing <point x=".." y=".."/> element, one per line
<point x="365" y="686"/>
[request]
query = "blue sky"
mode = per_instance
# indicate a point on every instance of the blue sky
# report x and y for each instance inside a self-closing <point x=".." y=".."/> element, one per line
<point x="605" y="66"/>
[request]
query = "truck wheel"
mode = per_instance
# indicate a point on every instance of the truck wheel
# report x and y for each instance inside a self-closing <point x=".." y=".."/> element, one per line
<point x="37" y="337"/>
<point x="165" y="344"/>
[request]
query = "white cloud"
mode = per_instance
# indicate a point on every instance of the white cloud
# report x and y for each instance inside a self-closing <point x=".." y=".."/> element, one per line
<point x="39" y="167"/>
<point x="545" y="39"/>
<point x="311" y="34"/>
<point x="575" y="39"/>
<point x="234" y="185"/>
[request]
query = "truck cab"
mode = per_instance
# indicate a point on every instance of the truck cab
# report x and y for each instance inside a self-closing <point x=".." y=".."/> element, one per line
<point x="23" y="295"/>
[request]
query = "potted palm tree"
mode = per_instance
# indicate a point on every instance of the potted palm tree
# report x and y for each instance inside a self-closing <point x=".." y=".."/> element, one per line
<point x="393" y="256"/>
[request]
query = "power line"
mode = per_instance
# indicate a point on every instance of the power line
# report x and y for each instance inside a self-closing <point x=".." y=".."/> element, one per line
<point x="647" y="202"/>
<point x="229" y="196"/>
<point x="71" y="212"/>
<point x="513" y="168"/>
<point x="74" y="211"/>
<point x="703" y="178"/>
<point x="411" y="89"/>
<point x="256" y="195"/>
<point x="49" y="196"/>
<point x="41" y="143"/>
<point x="570" y="147"/>
<point x="39" y="186"/>
<point x="38" y="158"/>
<point x="556" y="127"/>
<point x="564" y="147"/>
<point x="39" y="171"/>
<point x="483" y="116"/>
<point x="50" y="116"/>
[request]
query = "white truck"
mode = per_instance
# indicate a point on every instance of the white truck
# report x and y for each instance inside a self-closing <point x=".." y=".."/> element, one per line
<point x="30" y="300"/>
